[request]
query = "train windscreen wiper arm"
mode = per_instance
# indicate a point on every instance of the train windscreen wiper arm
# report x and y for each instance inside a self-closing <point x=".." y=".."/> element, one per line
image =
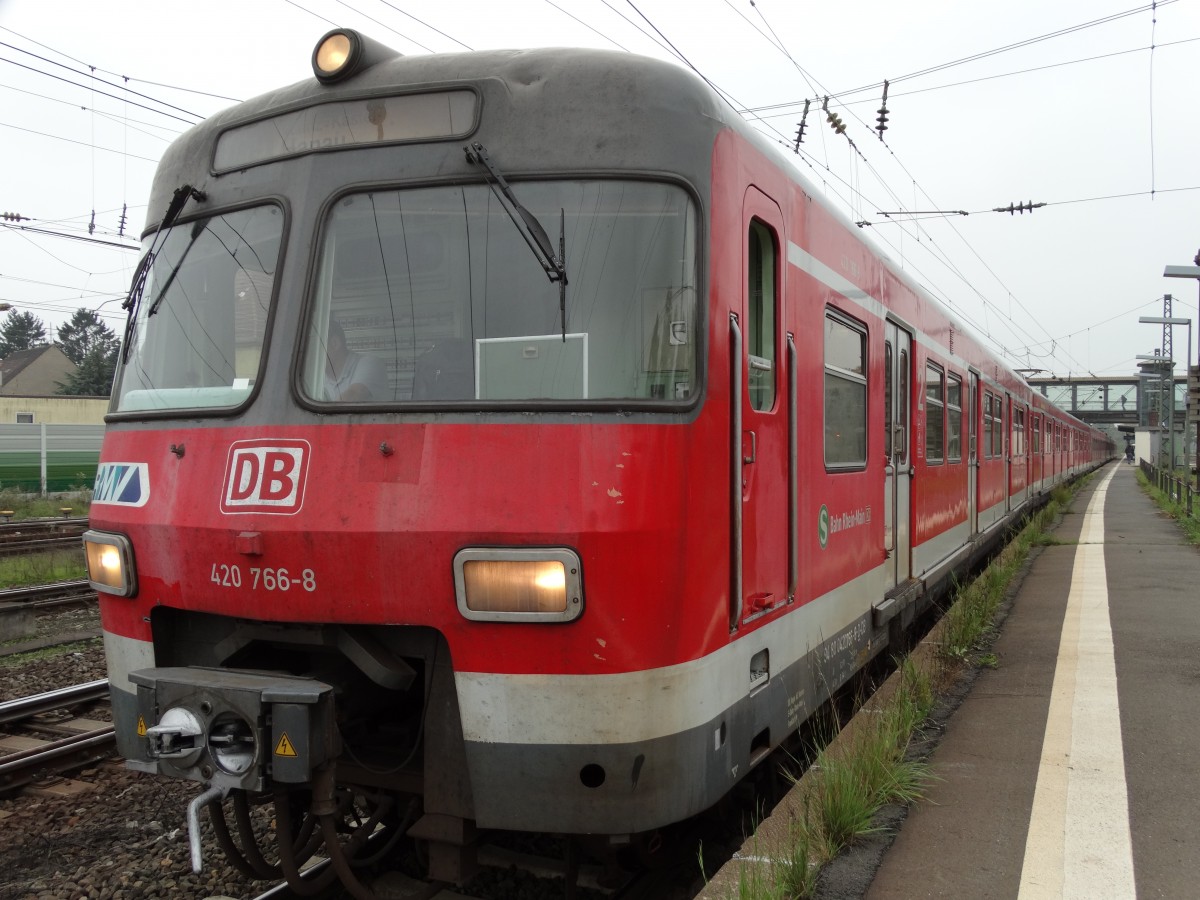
<point x="198" y="228"/>
<point x="555" y="266"/>
<point x="182" y="195"/>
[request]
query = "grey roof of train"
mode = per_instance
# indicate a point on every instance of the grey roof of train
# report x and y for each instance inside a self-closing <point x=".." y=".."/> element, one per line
<point x="559" y="80"/>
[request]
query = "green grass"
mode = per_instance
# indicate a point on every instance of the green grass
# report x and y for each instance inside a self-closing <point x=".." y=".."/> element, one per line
<point x="969" y="623"/>
<point x="847" y="785"/>
<point x="1190" y="525"/>
<point x="871" y="770"/>
<point x="31" y="569"/>
<point x="27" y="506"/>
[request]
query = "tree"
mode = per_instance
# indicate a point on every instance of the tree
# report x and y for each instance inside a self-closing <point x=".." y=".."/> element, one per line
<point x="21" y="331"/>
<point x="94" y="376"/>
<point x="85" y="333"/>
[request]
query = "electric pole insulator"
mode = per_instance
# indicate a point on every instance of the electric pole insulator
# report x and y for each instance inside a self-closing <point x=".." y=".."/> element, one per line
<point x="883" y="113"/>
<point x="1027" y="207"/>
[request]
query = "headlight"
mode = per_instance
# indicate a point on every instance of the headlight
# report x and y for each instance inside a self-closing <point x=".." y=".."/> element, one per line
<point x="110" y="563"/>
<point x="332" y="54"/>
<point x="344" y="52"/>
<point x="518" y="584"/>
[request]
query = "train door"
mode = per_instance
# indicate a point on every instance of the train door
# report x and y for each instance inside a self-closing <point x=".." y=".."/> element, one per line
<point x="1035" y="450"/>
<point x="764" y="429"/>
<point x="1009" y="426"/>
<point x="897" y="436"/>
<point x="973" y="452"/>
<point x="1024" y="461"/>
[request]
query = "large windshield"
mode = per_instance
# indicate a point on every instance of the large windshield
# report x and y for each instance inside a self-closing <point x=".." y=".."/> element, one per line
<point x="431" y="295"/>
<point x="198" y="334"/>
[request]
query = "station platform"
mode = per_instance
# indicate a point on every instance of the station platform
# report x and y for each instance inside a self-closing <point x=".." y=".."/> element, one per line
<point x="1072" y="768"/>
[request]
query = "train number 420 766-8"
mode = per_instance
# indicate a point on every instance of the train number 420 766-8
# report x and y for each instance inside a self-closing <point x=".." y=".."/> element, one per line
<point x="269" y="579"/>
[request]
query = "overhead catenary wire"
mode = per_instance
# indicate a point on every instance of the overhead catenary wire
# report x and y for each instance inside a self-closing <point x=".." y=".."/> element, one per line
<point x="125" y="78"/>
<point x="448" y="37"/>
<point x="787" y="109"/>
<point x="195" y="117"/>
<point x="968" y="282"/>
<point x="1150" y="99"/>
<point x="399" y="34"/>
<point x="80" y="143"/>
<point x="874" y="86"/>
<point x="590" y="28"/>
<point x="160" y="112"/>
<point x="857" y="188"/>
<point x="125" y="122"/>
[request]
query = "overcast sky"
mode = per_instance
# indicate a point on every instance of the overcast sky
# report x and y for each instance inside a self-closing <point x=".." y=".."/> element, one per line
<point x="1088" y="120"/>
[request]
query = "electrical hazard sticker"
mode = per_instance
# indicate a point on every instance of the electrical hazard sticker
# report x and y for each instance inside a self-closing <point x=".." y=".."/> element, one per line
<point x="284" y="747"/>
<point x="141" y="727"/>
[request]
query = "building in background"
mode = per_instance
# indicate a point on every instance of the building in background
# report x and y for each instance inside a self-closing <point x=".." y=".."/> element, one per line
<point x="39" y="371"/>
<point x="49" y="442"/>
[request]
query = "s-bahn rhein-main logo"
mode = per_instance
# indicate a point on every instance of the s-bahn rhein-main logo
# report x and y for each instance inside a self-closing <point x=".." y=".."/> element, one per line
<point x="122" y="484"/>
<point x="265" y="476"/>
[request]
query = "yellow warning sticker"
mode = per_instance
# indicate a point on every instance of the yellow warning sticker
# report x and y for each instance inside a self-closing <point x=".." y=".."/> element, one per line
<point x="141" y="727"/>
<point x="284" y="747"/>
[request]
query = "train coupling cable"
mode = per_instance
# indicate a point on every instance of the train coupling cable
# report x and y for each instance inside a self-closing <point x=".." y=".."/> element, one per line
<point x="193" y="820"/>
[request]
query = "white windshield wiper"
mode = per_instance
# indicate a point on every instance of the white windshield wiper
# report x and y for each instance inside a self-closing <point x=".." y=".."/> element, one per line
<point x="555" y="266"/>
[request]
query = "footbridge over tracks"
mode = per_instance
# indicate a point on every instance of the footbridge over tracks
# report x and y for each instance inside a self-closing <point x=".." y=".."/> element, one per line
<point x="1132" y="400"/>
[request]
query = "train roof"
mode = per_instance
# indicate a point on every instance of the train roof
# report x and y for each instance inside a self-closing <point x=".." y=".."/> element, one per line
<point x="642" y="98"/>
<point x="649" y="105"/>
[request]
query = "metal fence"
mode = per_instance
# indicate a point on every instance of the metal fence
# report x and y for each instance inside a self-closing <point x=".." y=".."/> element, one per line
<point x="1180" y="490"/>
<point x="46" y="459"/>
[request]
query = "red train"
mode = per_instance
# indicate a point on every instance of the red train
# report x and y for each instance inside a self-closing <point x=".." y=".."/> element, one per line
<point x="516" y="438"/>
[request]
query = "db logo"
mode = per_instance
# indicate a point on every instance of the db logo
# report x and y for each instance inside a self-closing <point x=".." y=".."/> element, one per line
<point x="265" y="476"/>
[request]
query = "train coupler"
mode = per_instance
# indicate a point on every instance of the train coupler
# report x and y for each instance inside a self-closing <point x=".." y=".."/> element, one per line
<point x="235" y="730"/>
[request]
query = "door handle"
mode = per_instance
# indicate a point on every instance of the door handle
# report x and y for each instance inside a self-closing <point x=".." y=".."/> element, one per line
<point x="753" y="448"/>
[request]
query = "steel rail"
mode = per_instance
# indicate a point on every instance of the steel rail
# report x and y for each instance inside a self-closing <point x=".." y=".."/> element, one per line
<point x="26" y="526"/>
<point x="37" y="592"/>
<point x="24" y="707"/>
<point x="40" y="544"/>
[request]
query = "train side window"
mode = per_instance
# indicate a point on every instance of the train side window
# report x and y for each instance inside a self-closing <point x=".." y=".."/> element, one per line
<point x="998" y="429"/>
<point x="1018" y="432"/>
<point x="902" y="388"/>
<point x="989" y="425"/>
<point x="760" y="337"/>
<point x="888" y="437"/>
<point x="954" y="416"/>
<point x="935" y="414"/>
<point x="1037" y="435"/>
<point x="845" y="392"/>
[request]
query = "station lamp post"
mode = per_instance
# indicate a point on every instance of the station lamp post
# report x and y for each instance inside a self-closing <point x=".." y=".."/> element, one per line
<point x="1170" y="381"/>
<point x="1192" y="272"/>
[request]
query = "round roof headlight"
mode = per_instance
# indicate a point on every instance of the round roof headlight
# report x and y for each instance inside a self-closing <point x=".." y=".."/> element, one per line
<point x="332" y="55"/>
<point x="343" y="53"/>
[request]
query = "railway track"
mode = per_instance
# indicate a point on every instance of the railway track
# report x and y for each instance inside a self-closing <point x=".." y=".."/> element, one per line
<point x="50" y="733"/>
<point x="40" y="535"/>
<point x="20" y="608"/>
<point x="46" y="596"/>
